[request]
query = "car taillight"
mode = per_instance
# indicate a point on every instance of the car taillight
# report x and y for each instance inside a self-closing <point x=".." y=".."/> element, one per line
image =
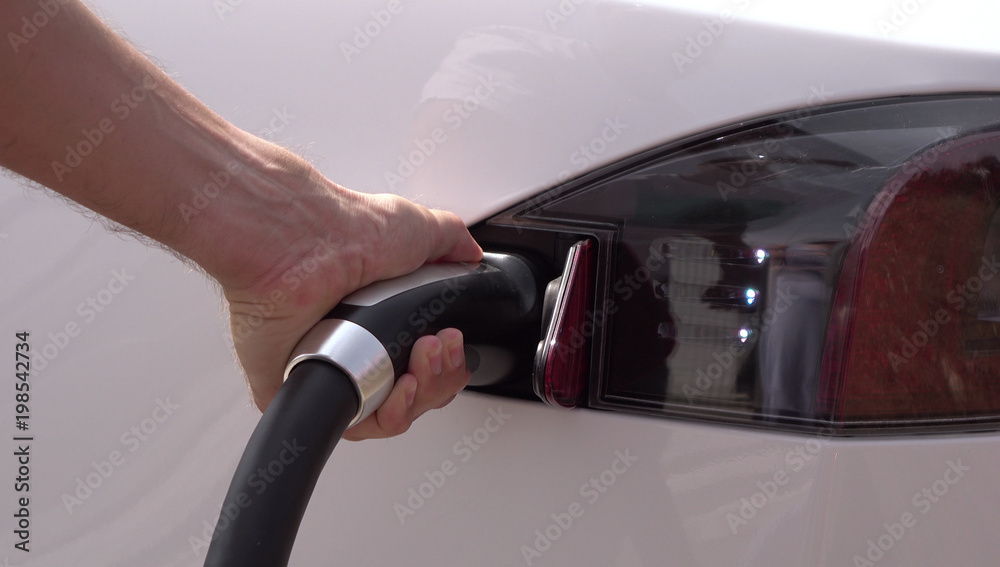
<point x="915" y="327"/>
<point x="830" y="269"/>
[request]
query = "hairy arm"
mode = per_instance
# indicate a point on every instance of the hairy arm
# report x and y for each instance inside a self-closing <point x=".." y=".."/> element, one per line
<point x="88" y="116"/>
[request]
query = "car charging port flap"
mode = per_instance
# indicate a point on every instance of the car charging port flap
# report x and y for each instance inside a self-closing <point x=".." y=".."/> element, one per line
<point x="562" y="360"/>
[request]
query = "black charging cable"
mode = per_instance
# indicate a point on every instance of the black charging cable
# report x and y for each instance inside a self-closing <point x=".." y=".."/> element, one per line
<point x="280" y="466"/>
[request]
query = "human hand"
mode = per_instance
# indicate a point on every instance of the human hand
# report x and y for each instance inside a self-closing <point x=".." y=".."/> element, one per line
<point x="285" y="243"/>
<point x="312" y="247"/>
<point x="435" y="374"/>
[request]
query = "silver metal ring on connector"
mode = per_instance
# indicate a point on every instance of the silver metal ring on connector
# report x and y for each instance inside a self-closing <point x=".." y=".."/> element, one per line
<point x="357" y="352"/>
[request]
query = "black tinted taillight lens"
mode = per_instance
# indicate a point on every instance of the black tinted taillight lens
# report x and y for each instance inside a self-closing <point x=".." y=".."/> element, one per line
<point x="830" y="269"/>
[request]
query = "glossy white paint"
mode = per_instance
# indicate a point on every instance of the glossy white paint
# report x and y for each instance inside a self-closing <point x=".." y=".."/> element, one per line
<point x="155" y="354"/>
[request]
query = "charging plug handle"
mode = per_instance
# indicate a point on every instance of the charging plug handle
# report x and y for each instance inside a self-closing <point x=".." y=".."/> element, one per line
<point x="340" y="373"/>
<point x="370" y="334"/>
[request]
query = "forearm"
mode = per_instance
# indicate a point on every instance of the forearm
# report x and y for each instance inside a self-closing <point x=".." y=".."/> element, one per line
<point x="85" y="114"/>
<point x="88" y="116"/>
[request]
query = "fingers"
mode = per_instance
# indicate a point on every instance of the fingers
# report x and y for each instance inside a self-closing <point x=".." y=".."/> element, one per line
<point x="436" y="374"/>
<point x="375" y="237"/>
<point x="455" y="243"/>
<point x="413" y="235"/>
<point x="393" y="418"/>
<point x="439" y="366"/>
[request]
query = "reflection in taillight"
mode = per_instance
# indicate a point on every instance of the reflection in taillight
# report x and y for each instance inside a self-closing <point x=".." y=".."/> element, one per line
<point x="562" y="363"/>
<point x="914" y="332"/>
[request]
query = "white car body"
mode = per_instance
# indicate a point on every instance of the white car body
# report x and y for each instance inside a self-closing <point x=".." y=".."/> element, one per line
<point x="139" y="415"/>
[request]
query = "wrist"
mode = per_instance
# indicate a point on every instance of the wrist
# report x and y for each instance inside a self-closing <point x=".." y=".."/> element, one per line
<point x="250" y="211"/>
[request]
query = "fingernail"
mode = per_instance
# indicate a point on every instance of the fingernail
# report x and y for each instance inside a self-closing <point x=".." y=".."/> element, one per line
<point x="435" y="361"/>
<point x="457" y="355"/>
<point x="411" y="393"/>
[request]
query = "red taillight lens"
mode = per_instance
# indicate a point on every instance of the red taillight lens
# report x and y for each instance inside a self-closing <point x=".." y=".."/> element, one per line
<point x="915" y="332"/>
<point x="562" y="364"/>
